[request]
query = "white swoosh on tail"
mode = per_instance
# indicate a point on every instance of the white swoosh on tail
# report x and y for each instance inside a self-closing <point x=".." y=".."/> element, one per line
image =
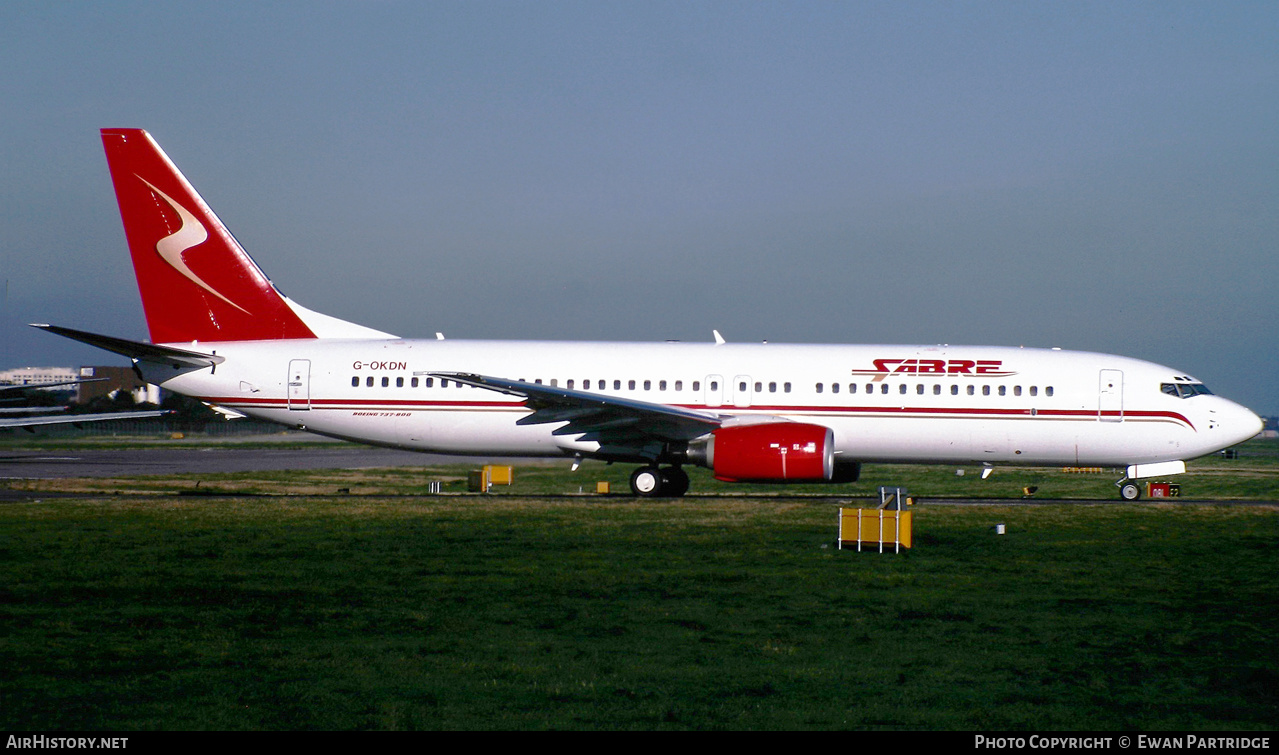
<point x="192" y="233"/>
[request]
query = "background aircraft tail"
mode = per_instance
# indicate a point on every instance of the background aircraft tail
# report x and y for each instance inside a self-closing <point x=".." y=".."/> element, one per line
<point x="197" y="282"/>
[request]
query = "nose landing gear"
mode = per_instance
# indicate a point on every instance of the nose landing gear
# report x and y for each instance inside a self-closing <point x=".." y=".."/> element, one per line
<point x="1129" y="490"/>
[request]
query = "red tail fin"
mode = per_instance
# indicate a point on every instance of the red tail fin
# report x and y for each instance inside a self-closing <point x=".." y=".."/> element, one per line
<point x="197" y="283"/>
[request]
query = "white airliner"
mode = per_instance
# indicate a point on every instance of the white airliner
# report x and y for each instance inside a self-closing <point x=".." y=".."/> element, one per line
<point x="222" y="333"/>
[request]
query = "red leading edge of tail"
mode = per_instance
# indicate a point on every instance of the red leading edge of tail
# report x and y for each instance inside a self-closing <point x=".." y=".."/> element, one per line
<point x="196" y="282"/>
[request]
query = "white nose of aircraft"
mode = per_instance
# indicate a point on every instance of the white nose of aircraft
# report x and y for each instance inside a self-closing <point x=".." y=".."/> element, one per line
<point x="1238" y="423"/>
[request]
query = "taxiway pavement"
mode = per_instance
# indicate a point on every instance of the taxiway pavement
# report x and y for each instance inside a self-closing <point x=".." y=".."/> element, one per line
<point x="129" y="462"/>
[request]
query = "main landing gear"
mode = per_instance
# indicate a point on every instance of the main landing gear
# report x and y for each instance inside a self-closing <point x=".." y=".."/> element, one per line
<point x="651" y="482"/>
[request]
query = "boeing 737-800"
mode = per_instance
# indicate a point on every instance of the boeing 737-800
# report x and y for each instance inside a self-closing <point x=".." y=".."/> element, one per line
<point x="222" y="333"/>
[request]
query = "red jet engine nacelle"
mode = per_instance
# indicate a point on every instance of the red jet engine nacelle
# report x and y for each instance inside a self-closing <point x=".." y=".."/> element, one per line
<point x="770" y="452"/>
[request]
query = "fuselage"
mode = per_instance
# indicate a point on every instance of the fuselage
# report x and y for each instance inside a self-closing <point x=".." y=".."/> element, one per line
<point x="221" y="332"/>
<point x="884" y="403"/>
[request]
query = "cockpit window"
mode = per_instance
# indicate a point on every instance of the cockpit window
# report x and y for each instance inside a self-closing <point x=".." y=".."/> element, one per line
<point x="1185" y="390"/>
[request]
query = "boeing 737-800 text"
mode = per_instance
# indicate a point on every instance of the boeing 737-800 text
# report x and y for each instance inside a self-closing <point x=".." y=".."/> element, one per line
<point x="222" y="333"/>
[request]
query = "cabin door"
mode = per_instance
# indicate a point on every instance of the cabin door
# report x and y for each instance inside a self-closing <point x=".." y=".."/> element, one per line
<point x="1110" y="402"/>
<point x="714" y="390"/>
<point x="742" y="392"/>
<point x="299" y="394"/>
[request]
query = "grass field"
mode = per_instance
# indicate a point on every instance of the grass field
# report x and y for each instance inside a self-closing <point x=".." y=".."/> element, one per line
<point x="475" y="613"/>
<point x="302" y="609"/>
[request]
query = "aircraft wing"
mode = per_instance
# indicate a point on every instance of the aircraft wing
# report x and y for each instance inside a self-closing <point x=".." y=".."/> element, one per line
<point x="608" y="420"/>
<point x="75" y="419"/>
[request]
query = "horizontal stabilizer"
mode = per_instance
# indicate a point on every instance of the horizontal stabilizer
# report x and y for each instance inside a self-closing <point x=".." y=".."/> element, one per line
<point x="226" y="413"/>
<point x="145" y="352"/>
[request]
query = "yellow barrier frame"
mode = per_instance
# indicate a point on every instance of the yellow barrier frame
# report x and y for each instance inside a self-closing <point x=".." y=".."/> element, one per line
<point x="881" y="526"/>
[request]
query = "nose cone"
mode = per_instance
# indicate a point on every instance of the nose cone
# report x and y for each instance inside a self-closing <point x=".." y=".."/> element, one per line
<point x="1238" y="423"/>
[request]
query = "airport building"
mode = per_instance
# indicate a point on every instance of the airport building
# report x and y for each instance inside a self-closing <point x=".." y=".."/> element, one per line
<point x="109" y="380"/>
<point x="117" y="379"/>
<point x="36" y="376"/>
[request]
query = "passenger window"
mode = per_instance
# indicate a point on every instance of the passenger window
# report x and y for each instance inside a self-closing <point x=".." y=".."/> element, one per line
<point x="569" y="385"/>
<point x="919" y="389"/>
<point x="1048" y="391"/>
<point x="834" y="387"/>
<point x="819" y="387"/>
<point x="414" y="383"/>
<point x="852" y="387"/>
<point x="648" y="385"/>
<point x="902" y="389"/>
<point x="786" y="387"/>
<point x="679" y="385"/>
<point x="870" y="387"/>
<point x="759" y="387"/>
<point x="630" y="385"/>
<point x="386" y="382"/>
<point x="985" y="390"/>
<point x="1003" y="390"/>
<point x="936" y="389"/>
<point x="355" y="382"/>
<point x="972" y="390"/>
<point x="714" y="385"/>
<point x="430" y="382"/>
<point x="617" y="385"/>
<point x="1016" y="390"/>
<point x="368" y="382"/>
<point x="772" y="387"/>
<point x="884" y="389"/>
<point x="399" y="382"/>
<point x="697" y="385"/>
<point x="661" y="385"/>
<point x="954" y="390"/>
<point x="1034" y="390"/>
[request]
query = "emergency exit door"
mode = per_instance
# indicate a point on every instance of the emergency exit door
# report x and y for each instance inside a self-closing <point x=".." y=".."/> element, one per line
<point x="299" y="393"/>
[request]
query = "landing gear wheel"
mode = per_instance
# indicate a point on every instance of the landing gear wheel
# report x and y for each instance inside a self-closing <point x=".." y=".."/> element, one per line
<point x="646" y="482"/>
<point x="1130" y="491"/>
<point x="674" y="482"/>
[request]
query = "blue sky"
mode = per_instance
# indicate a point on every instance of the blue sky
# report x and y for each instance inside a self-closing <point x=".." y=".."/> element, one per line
<point x="1094" y="176"/>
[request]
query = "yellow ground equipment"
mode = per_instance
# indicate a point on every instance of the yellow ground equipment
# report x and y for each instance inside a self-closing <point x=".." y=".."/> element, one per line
<point x="875" y="527"/>
<point x="500" y="475"/>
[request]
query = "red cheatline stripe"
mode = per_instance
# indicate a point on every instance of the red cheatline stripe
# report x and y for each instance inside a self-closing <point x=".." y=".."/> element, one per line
<point x="854" y="411"/>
